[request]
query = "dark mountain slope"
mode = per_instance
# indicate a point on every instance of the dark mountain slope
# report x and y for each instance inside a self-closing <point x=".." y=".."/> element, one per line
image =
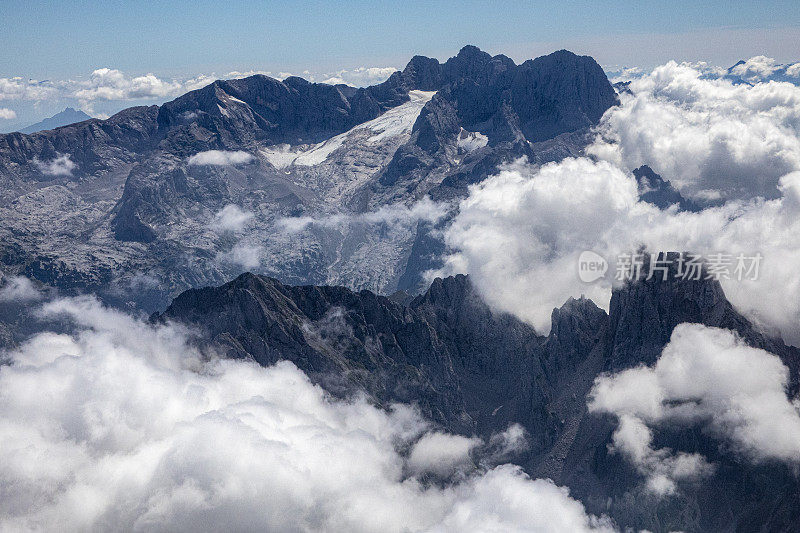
<point x="477" y="371"/>
<point x="446" y="351"/>
<point x="513" y="105"/>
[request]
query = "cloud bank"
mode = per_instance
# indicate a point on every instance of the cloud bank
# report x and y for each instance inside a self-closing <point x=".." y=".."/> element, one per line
<point x="519" y="235"/>
<point x="18" y="88"/>
<point x="705" y="377"/>
<point x="105" y="87"/>
<point x="112" y="84"/>
<point x="123" y="426"/>
<point x="705" y="134"/>
<point x="760" y="69"/>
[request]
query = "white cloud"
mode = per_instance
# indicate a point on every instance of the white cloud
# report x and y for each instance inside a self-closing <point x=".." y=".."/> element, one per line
<point x="236" y="74"/>
<point x="763" y="69"/>
<point x="618" y="74"/>
<point x="18" y="289"/>
<point x="231" y="218"/>
<point x="704" y="133"/>
<point x="360" y="76"/>
<point x="392" y="215"/>
<point x="243" y="255"/>
<point x="112" y="84"/>
<point x="25" y="89"/>
<point x="508" y="443"/>
<point x="220" y="158"/>
<point x="7" y="114"/>
<point x="756" y="68"/>
<point x="662" y="468"/>
<point x="505" y="500"/>
<point x="441" y="454"/>
<point x="519" y="235"/>
<point x="198" y="82"/>
<point x="705" y="377"/>
<point x="61" y="165"/>
<point x="125" y="426"/>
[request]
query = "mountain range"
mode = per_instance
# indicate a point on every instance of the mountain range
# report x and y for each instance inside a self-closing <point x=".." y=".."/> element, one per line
<point x="475" y="371"/>
<point x="289" y="220"/>
<point x="110" y="205"/>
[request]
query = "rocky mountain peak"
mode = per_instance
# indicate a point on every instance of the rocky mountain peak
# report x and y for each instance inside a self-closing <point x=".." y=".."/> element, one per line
<point x="656" y="190"/>
<point x="423" y="73"/>
<point x="644" y="312"/>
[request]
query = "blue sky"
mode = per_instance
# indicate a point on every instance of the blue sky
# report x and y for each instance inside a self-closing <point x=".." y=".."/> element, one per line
<point x="65" y="38"/>
<point x="48" y="40"/>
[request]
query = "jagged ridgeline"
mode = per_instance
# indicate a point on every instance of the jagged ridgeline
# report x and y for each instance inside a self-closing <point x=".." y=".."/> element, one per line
<point x="475" y="371"/>
<point x="119" y="207"/>
<point x="334" y="197"/>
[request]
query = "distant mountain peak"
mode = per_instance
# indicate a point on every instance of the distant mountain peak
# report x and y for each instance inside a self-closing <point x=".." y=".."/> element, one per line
<point x="69" y="116"/>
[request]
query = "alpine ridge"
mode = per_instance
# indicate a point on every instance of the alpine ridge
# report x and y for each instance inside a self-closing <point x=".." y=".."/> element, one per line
<point x="112" y="206"/>
<point x="476" y="371"/>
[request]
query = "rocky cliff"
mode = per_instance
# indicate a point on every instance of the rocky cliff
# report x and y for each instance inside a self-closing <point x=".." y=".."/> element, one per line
<point x="475" y="371"/>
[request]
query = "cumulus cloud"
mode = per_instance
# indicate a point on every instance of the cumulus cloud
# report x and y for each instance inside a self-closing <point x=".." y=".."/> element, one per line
<point x="18" y="289"/>
<point x="705" y="133"/>
<point x="61" y="165"/>
<point x="7" y="114"/>
<point x="663" y="468"/>
<point x="231" y="218"/>
<point x="761" y="68"/>
<point x="18" y="88"/>
<point x="508" y="443"/>
<point x="441" y="454"/>
<point x="705" y="377"/>
<point x="756" y="68"/>
<point x="220" y="158"/>
<point x="112" y="84"/>
<point x="519" y="235"/>
<point x="125" y="426"/>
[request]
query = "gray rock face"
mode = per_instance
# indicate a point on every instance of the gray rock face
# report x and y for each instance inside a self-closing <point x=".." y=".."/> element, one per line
<point x="739" y="496"/>
<point x="477" y="371"/>
<point x="513" y="105"/>
<point x="114" y="206"/>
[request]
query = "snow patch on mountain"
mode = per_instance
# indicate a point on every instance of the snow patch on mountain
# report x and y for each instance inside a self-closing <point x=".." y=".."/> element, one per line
<point x="469" y="141"/>
<point x="394" y="123"/>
